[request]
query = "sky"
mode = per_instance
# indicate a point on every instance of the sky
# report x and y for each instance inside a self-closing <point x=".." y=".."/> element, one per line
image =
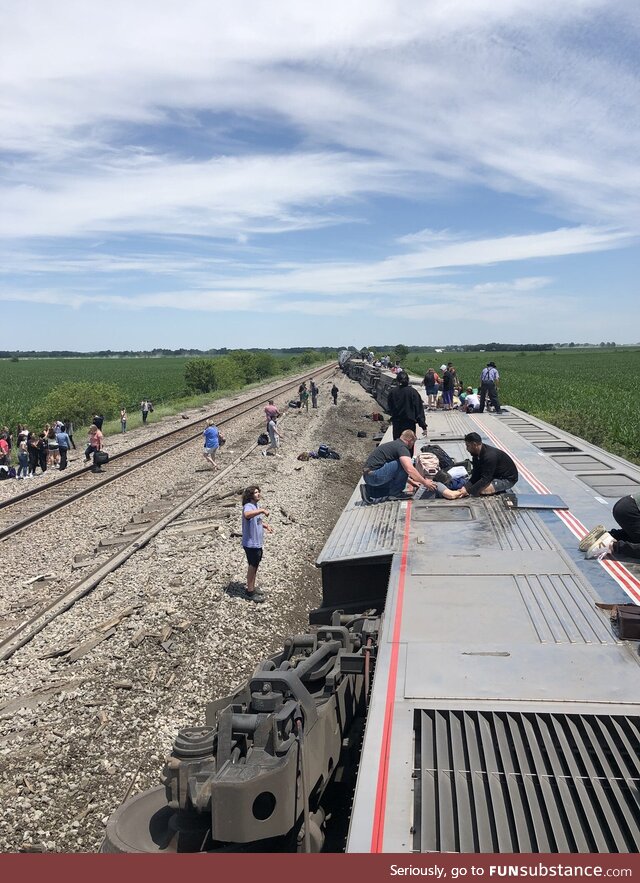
<point x="198" y="174"/>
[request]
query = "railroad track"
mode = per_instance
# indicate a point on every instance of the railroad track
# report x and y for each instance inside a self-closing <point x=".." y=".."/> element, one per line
<point x="151" y="521"/>
<point x="37" y="503"/>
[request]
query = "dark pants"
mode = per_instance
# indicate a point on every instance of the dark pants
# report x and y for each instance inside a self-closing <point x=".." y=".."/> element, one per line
<point x="314" y="401"/>
<point x="73" y="444"/>
<point x="399" y="426"/>
<point x="33" y="462"/>
<point x="42" y="458"/>
<point x="63" y="457"/>
<point x="335" y="399"/>
<point x="488" y="388"/>
<point x="89" y="452"/>
<point x="145" y="414"/>
<point x="627" y="514"/>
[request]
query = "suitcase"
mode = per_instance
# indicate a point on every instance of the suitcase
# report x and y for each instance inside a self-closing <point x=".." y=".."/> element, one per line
<point x="628" y="621"/>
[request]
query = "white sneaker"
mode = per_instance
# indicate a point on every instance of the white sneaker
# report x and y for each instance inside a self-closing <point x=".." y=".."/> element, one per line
<point x="601" y="547"/>
<point x="591" y="537"/>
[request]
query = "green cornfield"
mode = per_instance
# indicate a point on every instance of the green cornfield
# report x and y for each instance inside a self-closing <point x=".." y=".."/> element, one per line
<point x="590" y="393"/>
<point x="25" y="383"/>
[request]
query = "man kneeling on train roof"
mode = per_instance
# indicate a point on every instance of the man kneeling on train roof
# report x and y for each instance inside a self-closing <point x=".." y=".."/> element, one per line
<point x="389" y="467"/>
<point x="493" y="472"/>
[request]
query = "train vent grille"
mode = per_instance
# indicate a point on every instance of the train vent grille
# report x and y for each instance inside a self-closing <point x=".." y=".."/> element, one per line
<point x="509" y="782"/>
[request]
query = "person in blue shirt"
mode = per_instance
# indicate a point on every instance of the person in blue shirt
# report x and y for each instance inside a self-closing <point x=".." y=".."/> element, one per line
<point x="64" y="443"/>
<point x="489" y="379"/>
<point x="212" y="439"/>
<point x="253" y="528"/>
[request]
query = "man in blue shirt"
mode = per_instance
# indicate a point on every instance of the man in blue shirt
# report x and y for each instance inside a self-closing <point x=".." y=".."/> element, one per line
<point x="64" y="443"/>
<point x="212" y="439"/>
<point x="489" y="387"/>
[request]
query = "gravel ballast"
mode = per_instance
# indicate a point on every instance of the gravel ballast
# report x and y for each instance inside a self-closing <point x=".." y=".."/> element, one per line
<point x="166" y="632"/>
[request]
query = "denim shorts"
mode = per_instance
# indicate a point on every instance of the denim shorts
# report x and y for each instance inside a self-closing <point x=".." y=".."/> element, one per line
<point x="211" y="451"/>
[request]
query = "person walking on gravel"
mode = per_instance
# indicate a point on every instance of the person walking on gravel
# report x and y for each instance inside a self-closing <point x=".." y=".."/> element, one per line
<point x="271" y="411"/>
<point x="334" y="394"/>
<point x="314" y="393"/>
<point x="212" y="439"/>
<point x="123" y="419"/>
<point x="274" y="435"/>
<point x="253" y="527"/>
<point x="144" y="407"/>
<point x="64" y="443"/>
<point x="94" y="444"/>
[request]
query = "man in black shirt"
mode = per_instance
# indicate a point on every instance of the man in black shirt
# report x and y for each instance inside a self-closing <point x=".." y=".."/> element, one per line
<point x="494" y="472"/>
<point x="389" y="467"/>
<point x="405" y="406"/>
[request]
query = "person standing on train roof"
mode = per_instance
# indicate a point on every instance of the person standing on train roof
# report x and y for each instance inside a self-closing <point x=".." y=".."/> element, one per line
<point x="431" y="381"/>
<point x="405" y="405"/>
<point x="489" y="380"/>
<point x="493" y="472"/>
<point x="389" y="467"/>
<point x="448" y="384"/>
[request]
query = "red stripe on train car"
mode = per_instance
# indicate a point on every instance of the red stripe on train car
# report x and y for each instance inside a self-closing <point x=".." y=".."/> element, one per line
<point x="377" y="835"/>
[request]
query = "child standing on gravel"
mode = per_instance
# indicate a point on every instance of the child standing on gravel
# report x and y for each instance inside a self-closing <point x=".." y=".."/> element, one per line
<point x="253" y="528"/>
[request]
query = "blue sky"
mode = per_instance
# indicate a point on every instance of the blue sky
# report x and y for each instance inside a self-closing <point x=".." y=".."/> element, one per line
<point x="196" y="174"/>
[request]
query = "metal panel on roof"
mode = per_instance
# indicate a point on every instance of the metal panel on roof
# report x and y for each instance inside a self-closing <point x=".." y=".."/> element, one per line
<point x="613" y="485"/>
<point x="489" y="782"/>
<point x="483" y="670"/>
<point x="534" y="607"/>
<point x="363" y="532"/>
<point x="577" y="462"/>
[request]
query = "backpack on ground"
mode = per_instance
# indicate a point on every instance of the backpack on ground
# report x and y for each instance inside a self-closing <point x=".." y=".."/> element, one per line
<point x="12" y="472"/>
<point x="327" y="453"/>
<point x="294" y="404"/>
<point x="445" y="461"/>
<point x="263" y="439"/>
<point x="362" y="434"/>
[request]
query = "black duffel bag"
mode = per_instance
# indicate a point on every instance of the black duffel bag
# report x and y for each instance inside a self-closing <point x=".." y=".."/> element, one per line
<point x="100" y="458"/>
<point x="628" y="621"/>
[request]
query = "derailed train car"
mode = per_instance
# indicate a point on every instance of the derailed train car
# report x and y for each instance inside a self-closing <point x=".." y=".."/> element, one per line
<point x="502" y="716"/>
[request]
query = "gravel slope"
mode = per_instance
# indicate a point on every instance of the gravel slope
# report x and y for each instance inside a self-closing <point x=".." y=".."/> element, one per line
<point x="74" y="735"/>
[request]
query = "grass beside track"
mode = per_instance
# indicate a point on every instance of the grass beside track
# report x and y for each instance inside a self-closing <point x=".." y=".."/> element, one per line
<point x="592" y="393"/>
<point x="25" y="383"/>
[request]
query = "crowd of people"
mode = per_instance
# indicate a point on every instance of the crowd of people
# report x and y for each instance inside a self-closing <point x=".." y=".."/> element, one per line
<point x="24" y="453"/>
<point x="447" y="391"/>
<point x="28" y="453"/>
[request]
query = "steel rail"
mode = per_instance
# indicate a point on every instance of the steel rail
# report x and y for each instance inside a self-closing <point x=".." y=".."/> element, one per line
<point x="232" y="412"/>
<point x="28" y="629"/>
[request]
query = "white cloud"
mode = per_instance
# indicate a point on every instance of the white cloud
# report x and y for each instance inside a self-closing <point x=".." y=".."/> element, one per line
<point x="157" y="123"/>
